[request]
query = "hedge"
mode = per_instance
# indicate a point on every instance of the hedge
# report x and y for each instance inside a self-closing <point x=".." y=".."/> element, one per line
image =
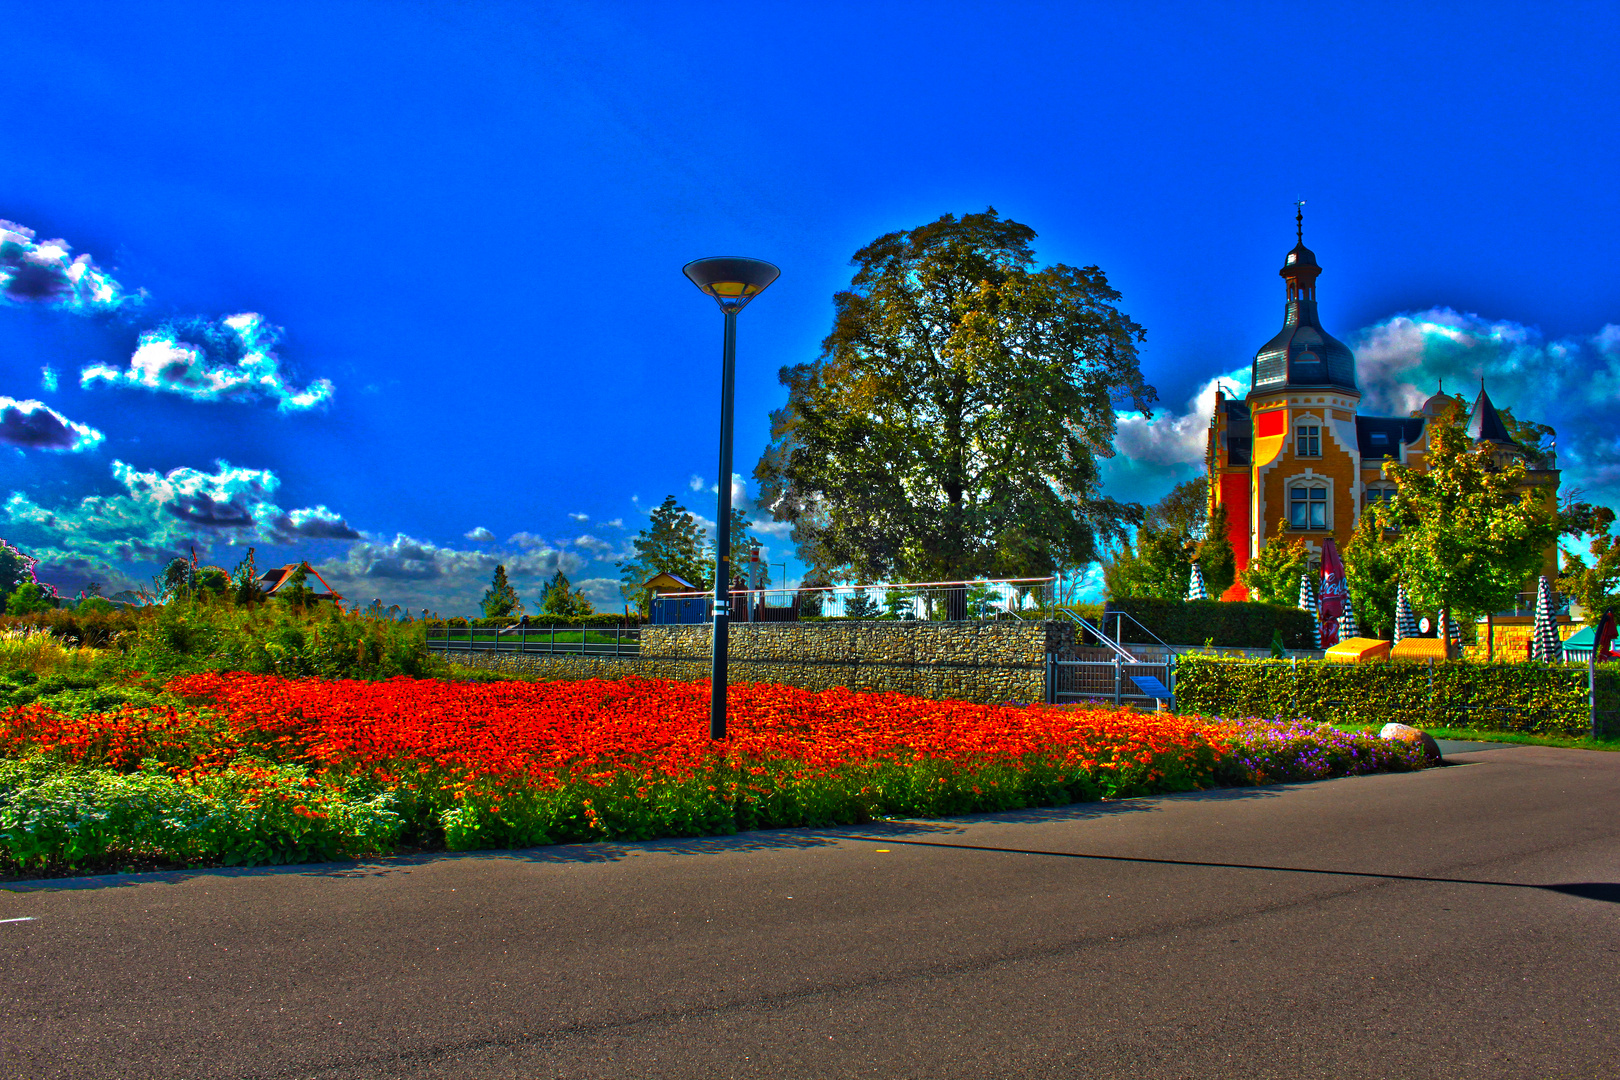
<point x="1536" y="699"/>
<point x="607" y="619"/>
<point x="1231" y="624"/>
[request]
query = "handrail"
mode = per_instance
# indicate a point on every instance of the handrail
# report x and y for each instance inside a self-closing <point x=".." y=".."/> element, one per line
<point x="1118" y="612"/>
<point x="1099" y="635"/>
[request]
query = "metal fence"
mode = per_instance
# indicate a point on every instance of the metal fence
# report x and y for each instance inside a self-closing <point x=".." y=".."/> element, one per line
<point x="923" y="601"/>
<point x="573" y="640"/>
<point x="1110" y="679"/>
<point x="1524" y="606"/>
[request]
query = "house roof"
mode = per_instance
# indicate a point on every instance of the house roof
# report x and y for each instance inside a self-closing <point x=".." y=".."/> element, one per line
<point x="1485" y="423"/>
<point x="1394" y="430"/>
<point x="274" y="579"/>
<point x="666" y="580"/>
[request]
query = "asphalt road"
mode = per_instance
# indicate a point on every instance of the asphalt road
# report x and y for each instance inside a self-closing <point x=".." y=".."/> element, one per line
<point x="1460" y="922"/>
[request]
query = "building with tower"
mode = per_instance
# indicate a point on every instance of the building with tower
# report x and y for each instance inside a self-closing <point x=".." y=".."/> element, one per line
<point x="1296" y="455"/>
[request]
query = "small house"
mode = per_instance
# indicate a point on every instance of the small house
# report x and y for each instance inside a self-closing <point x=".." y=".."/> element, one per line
<point x="271" y="581"/>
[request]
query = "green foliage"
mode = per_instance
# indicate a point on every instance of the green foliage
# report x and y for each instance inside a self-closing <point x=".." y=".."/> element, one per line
<point x="609" y="618"/>
<point x="1215" y="555"/>
<point x="1372" y="572"/>
<point x="55" y="816"/>
<point x="1535" y="698"/>
<point x="672" y="543"/>
<point x="501" y="599"/>
<point x="1273" y="575"/>
<point x="1466" y="536"/>
<point x="1159" y="565"/>
<point x="28" y="598"/>
<point x="17" y="569"/>
<point x="245" y="582"/>
<point x="950" y="428"/>
<point x="209" y="635"/>
<point x="1594" y="586"/>
<point x="1223" y="624"/>
<point x="79" y="626"/>
<point x="295" y="591"/>
<point x="561" y="601"/>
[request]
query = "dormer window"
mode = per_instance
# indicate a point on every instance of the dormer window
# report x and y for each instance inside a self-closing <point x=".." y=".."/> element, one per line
<point x="1379" y="438"/>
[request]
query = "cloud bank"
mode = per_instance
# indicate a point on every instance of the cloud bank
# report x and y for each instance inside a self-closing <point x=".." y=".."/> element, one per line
<point x="232" y="359"/>
<point x="33" y="425"/>
<point x="46" y="274"/>
<point x="160" y="516"/>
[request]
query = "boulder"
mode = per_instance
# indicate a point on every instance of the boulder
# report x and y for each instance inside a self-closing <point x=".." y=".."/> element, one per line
<point x="1408" y="734"/>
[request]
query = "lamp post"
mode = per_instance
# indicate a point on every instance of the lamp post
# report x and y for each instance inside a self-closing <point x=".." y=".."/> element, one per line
<point x="732" y="282"/>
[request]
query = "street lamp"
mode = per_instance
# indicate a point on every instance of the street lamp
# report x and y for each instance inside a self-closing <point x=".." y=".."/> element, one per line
<point x="732" y="282"/>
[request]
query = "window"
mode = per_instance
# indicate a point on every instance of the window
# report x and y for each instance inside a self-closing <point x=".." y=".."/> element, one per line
<point x="1380" y="438"/>
<point x="1307" y="508"/>
<point x="1375" y="495"/>
<point x="1308" y="442"/>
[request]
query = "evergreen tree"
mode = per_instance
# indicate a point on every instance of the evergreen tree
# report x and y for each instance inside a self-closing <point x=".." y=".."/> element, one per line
<point x="500" y="599"/>
<point x="672" y="543"/>
<point x="859" y="605"/>
<point x="560" y="600"/>
<point x="1215" y="555"/>
<point x="1273" y="575"/>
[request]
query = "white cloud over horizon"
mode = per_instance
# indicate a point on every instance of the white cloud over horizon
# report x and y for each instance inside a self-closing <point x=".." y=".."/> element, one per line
<point x="45" y="273"/>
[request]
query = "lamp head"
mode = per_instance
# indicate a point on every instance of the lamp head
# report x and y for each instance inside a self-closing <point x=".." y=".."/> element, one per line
<point x="731" y="281"/>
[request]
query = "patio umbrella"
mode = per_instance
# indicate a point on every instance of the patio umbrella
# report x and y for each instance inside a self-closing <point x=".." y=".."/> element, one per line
<point x="1348" y="627"/>
<point x="1405" y="621"/>
<point x="1195" y="587"/>
<point x="1334" y="590"/>
<point x="1544" y="642"/>
<point x="1307" y="602"/>
<point x="1454" y="633"/>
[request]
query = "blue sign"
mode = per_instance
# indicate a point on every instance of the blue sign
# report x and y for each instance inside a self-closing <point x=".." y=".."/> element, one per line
<point x="1152" y="687"/>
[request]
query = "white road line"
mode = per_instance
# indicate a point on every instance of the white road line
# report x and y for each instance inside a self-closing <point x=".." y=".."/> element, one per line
<point x="25" y="918"/>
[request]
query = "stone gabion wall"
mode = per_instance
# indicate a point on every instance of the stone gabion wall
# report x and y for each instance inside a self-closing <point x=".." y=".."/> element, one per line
<point x="987" y="662"/>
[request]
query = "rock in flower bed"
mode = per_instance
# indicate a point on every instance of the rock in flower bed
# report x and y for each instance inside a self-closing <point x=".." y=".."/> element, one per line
<point x="250" y="768"/>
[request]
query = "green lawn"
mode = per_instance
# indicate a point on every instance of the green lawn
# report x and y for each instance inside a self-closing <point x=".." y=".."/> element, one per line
<point x="1470" y="735"/>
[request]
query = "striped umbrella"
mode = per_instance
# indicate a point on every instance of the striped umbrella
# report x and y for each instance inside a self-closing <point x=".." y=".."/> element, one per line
<point x="1453" y="633"/>
<point x="1545" y="644"/>
<point x="1405" y="621"/>
<point x="1195" y="587"/>
<point x="1307" y="602"/>
<point x="1348" y="628"/>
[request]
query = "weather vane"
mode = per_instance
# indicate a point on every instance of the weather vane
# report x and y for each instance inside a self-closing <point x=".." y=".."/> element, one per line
<point x="1299" y="219"/>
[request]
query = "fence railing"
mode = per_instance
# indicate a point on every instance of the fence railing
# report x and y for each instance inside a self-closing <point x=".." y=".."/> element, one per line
<point x="1112" y="680"/>
<point x="1524" y="606"/>
<point x="575" y="640"/>
<point x="924" y="601"/>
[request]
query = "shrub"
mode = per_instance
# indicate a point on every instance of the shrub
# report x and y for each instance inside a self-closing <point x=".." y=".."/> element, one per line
<point x="97" y="629"/>
<point x="1231" y="624"/>
<point x="1533" y="698"/>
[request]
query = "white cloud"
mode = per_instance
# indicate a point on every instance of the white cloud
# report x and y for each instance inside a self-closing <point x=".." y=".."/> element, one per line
<point x="595" y="545"/>
<point x="616" y="523"/>
<point x="480" y="534"/>
<point x="160" y="516"/>
<point x="44" y="273"/>
<point x="580" y="517"/>
<point x="417" y="573"/>
<point x="47" y="379"/>
<point x="1151" y="456"/>
<point x="34" y="425"/>
<point x="231" y="359"/>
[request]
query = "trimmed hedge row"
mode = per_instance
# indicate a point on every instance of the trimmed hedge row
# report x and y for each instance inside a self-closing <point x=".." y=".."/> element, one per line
<point x="598" y="619"/>
<point x="1536" y="699"/>
<point x="1233" y="625"/>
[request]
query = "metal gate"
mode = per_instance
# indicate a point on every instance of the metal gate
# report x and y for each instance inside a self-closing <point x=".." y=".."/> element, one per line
<point x="1116" y="680"/>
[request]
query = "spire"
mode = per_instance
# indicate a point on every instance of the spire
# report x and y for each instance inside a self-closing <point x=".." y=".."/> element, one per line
<point x="1302" y="353"/>
<point x="1485" y="423"/>
<point x="1299" y="221"/>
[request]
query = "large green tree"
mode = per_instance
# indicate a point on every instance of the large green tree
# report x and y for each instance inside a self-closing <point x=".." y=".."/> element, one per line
<point x="562" y="600"/>
<point x="1466" y="534"/>
<point x="672" y="543"/>
<point x="952" y="425"/>
<point x="1595" y="586"/>
<point x="1215" y="556"/>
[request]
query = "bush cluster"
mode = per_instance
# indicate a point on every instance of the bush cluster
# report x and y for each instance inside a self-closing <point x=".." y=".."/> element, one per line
<point x="1245" y="625"/>
<point x="1536" y="699"/>
<point x="598" y="619"/>
<point x="95" y="629"/>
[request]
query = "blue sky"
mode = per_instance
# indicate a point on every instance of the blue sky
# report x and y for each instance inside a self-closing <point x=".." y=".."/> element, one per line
<point x="396" y="287"/>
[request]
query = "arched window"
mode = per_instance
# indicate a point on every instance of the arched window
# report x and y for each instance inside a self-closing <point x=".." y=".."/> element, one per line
<point x="1307" y="507"/>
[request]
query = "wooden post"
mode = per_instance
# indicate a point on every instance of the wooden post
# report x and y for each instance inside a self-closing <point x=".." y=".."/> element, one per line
<point x="1591" y="688"/>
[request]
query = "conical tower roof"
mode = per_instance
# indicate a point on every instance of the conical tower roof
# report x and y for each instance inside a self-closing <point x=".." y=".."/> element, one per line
<point x="1485" y="423"/>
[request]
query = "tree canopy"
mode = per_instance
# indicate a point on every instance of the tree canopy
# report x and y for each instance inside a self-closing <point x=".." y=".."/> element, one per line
<point x="562" y="599"/>
<point x="1464" y="533"/>
<point x="1273" y="575"/>
<point x="951" y="427"/>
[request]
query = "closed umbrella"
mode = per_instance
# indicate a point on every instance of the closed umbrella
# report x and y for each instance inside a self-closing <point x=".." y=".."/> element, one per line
<point x="1334" y="590"/>
<point x="1405" y="622"/>
<point x="1348" y="627"/>
<point x="1544" y="642"/>
<point x="1195" y="587"/>
<point x="1307" y="602"/>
